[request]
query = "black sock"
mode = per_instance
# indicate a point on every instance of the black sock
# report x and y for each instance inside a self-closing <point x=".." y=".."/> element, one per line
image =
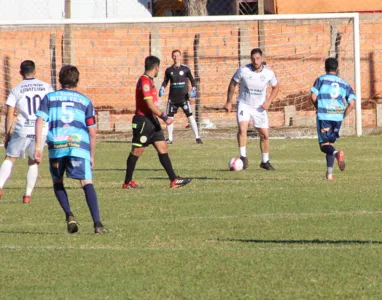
<point x="130" y="167"/>
<point x="62" y="197"/>
<point x="328" y="149"/>
<point x="166" y="163"/>
<point x="92" y="201"/>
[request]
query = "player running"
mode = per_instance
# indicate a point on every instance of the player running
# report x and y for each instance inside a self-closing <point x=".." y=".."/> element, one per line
<point x="252" y="103"/>
<point x="25" y="98"/>
<point x="178" y="75"/>
<point x="334" y="99"/>
<point x="147" y="129"/>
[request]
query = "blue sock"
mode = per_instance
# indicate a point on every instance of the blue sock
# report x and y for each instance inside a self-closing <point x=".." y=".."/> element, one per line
<point x="328" y="149"/>
<point x="92" y="201"/>
<point x="62" y="197"/>
<point x="329" y="160"/>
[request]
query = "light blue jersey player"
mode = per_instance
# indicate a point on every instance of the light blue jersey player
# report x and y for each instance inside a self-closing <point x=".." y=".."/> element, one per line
<point x="71" y="142"/>
<point x="334" y="99"/>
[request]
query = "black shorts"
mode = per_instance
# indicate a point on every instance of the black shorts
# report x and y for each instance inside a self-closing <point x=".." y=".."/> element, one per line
<point x="146" y="131"/>
<point x="172" y="107"/>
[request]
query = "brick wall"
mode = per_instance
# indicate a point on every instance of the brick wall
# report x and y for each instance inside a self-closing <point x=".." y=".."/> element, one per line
<point x="110" y="59"/>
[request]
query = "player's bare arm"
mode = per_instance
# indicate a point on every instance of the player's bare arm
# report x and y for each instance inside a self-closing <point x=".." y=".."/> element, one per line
<point x="8" y="124"/>
<point x="156" y="111"/>
<point x="272" y="96"/>
<point x="230" y="92"/>
<point x="314" y="98"/>
<point x="349" y="109"/>
<point x="38" y="137"/>
<point x="93" y="140"/>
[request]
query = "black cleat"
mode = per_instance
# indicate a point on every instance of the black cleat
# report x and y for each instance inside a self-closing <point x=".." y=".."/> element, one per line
<point x="98" y="228"/>
<point x="199" y="141"/>
<point x="267" y="166"/>
<point x="179" y="181"/>
<point x="168" y="141"/>
<point x="244" y="159"/>
<point x="72" y="224"/>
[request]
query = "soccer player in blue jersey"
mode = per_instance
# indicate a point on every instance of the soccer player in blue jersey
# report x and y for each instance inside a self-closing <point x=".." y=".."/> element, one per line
<point x="71" y="142"/>
<point x="334" y="99"/>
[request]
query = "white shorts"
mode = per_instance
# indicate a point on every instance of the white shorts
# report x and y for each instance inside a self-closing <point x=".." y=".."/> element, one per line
<point x="18" y="146"/>
<point x="259" y="116"/>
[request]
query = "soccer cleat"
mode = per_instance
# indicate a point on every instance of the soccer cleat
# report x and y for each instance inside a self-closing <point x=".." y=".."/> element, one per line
<point x="130" y="186"/>
<point x="199" y="141"/>
<point x="329" y="176"/>
<point x="168" y="141"/>
<point x="267" y="166"/>
<point x="26" y="199"/>
<point x="244" y="159"/>
<point x="179" y="181"/>
<point x="341" y="160"/>
<point x="72" y="224"/>
<point x="98" y="228"/>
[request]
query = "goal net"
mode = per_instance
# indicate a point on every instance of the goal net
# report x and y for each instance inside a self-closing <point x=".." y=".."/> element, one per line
<point x="110" y="57"/>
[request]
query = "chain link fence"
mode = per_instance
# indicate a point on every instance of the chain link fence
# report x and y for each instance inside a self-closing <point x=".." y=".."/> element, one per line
<point x="21" y="10"/>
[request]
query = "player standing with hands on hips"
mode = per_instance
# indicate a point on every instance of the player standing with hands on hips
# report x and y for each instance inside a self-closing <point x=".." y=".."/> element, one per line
<point x="178" y="74"/>
<point x="26" y="98"/>
<point x="334" y="99"/>
<point x="254" y="79"/>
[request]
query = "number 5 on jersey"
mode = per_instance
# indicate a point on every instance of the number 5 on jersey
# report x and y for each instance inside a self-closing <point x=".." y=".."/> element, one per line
<point x="67" y="112"/>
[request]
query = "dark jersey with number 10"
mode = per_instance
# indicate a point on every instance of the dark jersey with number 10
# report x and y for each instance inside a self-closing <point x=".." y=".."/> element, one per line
<point x="178" y="82"/>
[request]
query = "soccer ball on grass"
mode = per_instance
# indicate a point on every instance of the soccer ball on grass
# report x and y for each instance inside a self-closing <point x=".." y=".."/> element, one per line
<point x="235" y="164"/>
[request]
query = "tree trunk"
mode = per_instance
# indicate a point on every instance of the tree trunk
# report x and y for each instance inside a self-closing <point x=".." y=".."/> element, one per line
<point x="195" y="7"/>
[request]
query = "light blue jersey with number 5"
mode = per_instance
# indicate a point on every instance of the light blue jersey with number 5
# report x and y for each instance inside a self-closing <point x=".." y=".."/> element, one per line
<point x="333" y="95"/>
<point x="69" y="115"/>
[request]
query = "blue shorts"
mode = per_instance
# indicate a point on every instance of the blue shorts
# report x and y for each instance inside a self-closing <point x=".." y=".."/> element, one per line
<point x="75" y="167"/>
<point x="328" y="131"/>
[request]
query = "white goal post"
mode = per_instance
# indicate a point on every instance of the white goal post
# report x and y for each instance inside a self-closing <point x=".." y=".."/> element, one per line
<point x="110" y="54"/>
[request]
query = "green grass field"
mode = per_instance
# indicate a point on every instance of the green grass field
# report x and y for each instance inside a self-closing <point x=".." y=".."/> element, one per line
<point x="288" y="234"/>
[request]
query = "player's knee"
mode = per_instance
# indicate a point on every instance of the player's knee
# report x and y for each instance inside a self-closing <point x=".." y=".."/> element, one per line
<point x="58" y="186"/>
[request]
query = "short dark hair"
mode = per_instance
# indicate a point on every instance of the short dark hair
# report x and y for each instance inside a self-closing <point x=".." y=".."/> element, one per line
<point x="69" y="76"/>
<point x="27" y="67"/>
<point x="331" y="64"/>
<point x="150" y="62"/>
<point x="174" y="51"/>
<point x="256" y="50"/>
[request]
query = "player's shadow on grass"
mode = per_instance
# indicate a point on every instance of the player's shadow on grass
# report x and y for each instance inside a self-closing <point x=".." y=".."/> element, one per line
<point x="28" y="232"/>
<point x="300" y="242"/>
<point x="204" y="178"/>
<point x="124" y="170"/>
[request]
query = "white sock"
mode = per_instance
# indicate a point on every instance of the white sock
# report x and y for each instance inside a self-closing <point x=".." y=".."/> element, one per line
<point x="194" y="127"/>
<point x="32" y="175"/>
<point x="335" y="154"/>
<point x="5" y="171"/>
<point x="330" y="170"/>
<point x="170" y="130"/>
<point x="243" y="151"/>
<point x="264" y="157"/>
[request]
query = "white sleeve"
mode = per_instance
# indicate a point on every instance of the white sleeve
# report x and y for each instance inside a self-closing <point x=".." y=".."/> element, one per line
<point x="237" y="76"/>
<point x="273" y="81"/>
<point x="12" y="99"/>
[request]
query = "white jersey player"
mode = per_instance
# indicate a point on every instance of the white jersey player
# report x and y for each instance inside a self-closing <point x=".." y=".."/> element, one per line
<point x="252" y="103"/>
<point x="25" y="98"/>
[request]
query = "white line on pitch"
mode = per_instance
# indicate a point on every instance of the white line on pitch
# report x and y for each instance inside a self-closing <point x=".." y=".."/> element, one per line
<point x="118" y="248"/>
<point x="270" y="215"/>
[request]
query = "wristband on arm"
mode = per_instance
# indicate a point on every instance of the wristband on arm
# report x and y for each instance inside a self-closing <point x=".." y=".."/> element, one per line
<point x="163" y="116"/>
